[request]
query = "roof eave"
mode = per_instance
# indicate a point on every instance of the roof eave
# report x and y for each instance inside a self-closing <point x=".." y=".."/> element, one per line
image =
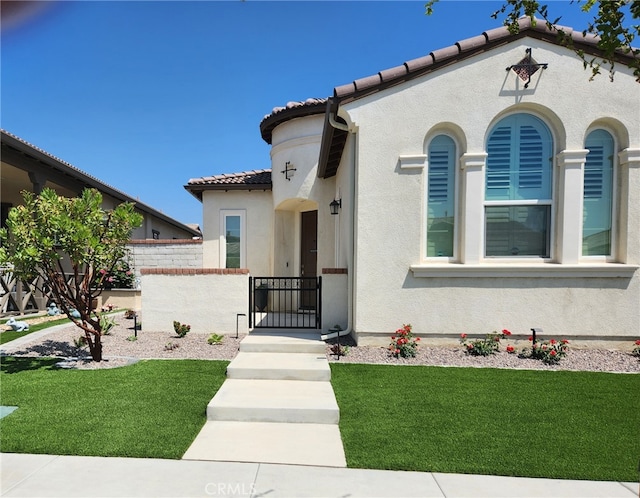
<point x="91" y="182"/>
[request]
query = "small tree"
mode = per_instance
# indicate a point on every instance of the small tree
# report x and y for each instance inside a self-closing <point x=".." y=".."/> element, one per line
<point x="50" y="236"/>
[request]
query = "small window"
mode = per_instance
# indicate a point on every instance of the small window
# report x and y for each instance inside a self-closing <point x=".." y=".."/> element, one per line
<point x="598" y="195"/>
<point x="518" y="188"/>
<point x="232" y="239"/>
<point x="441" y="197"/>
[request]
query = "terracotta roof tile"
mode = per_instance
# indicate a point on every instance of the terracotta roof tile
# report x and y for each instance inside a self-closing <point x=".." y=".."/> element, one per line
<point x="290" y="111"/>
<point x="254" y="177"/>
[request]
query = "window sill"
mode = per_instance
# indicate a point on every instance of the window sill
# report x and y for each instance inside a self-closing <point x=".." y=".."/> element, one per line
<point x="540" y="270"/>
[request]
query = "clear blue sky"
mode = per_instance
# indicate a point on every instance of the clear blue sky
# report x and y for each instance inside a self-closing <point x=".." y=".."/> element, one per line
<point x="146" y="95"/>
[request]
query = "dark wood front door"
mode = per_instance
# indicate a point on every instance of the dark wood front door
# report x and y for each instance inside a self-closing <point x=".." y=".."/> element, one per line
<point x="308" y="256"/>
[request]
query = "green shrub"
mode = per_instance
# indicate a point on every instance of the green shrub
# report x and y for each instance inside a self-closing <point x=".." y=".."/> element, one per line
<point x="215" y="339"/>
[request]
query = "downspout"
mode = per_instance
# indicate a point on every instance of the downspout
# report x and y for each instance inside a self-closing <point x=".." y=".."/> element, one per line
<point x="351" y="273"/>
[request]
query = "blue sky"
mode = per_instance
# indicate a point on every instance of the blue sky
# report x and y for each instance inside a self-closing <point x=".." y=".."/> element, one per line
<point x="146" y="95"/>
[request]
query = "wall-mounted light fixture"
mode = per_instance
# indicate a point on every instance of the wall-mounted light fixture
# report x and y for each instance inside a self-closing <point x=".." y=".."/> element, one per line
<point x="288" y="170"/>
<point x="335" y="205"/>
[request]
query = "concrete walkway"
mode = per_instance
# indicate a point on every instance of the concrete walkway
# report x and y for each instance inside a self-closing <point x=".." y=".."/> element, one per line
<point x="276" y="406"/>
<point x="73" y="476"/>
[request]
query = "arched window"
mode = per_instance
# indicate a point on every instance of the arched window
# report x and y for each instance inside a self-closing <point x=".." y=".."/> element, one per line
<point x="518" y="188"/>
<point x="598" y="195"/>
<point x="441" y="197"/>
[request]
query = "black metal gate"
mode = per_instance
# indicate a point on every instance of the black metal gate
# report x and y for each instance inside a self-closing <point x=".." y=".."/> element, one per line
<point x="285" y="302"/>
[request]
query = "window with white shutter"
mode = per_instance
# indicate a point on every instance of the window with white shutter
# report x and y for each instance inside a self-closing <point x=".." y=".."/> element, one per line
<point x="518" y="188"/>
<point x="598" y="195"/>
<point x="441" y="197"/>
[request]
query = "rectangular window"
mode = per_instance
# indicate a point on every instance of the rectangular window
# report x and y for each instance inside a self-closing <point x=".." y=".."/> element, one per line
<point x="517" y="230"/>
<point x="232" y="239"/>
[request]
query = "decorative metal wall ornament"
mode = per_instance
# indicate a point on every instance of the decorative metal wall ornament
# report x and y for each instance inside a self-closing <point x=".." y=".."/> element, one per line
<point x="527" y="67"/>
<point x="288" y="171"/>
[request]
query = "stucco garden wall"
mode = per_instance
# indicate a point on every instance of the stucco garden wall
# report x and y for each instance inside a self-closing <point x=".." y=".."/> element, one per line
<point x="208" y="299"/>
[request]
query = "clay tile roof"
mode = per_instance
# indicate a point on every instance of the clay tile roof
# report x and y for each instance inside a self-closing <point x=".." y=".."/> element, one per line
<point x="292" y="110"/>
<point x="460" y="50"/>
<point x="259" y="179"/>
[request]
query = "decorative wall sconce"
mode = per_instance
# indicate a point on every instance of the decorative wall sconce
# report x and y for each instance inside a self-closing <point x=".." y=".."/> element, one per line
<point x="288" y="170"/>
<point x="527" y="67"/>
<point x="335" y="205"/>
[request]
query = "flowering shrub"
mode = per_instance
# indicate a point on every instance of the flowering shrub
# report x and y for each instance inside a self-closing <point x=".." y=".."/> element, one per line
<point x="484" y="347"/>
<point x="181" y="329"/>
<point x="120" y="277"/>
<point x="404" y="343"/>
<point x="636" y="349"/>
<point x="550" y="352"/>
<point x="339" y="350"/>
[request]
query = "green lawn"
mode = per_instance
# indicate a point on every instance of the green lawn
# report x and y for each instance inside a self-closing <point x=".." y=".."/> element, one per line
<point x="556" y="424"/>
<point x="153" y="409"/>
<point x="10" y="335"/>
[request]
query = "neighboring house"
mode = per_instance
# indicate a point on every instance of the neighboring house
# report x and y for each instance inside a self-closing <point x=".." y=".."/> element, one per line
<point x="487" y="185"/>
<point x="26" y="167"/>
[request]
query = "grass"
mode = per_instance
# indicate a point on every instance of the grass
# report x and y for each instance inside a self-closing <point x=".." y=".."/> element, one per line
<point x="152" y="409"/>
<point x="10" y="335"/>
<point x="554" y="424"/>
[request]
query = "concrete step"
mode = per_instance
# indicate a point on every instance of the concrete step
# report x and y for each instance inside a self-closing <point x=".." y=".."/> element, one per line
<point x="267" y="442"/>
<point x="280" y="366"/>
<point x="275" y="401"/>
<point x="300" y="342"/>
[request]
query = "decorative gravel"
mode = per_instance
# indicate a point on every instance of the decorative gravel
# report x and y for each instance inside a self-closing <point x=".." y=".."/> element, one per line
<point x="118" y="350"/>
<point x="594" y="360"/>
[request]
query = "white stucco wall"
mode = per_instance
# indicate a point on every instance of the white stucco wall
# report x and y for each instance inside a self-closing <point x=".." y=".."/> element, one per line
<point x="465" y="100"/>
<point x="258" y="208"/>
<point x="298" y="142"/>
<point x="207" y="301"/>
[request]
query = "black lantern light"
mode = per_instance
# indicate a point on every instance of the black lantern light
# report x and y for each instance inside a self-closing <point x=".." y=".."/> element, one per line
<point x="335" y="205"/>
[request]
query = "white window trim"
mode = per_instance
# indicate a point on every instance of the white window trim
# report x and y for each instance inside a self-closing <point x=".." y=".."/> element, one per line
<point x="223" y="237"/>
<point x="524" y="270"/>
<point x="615" y="202"/>
<point x="456" y="212"/>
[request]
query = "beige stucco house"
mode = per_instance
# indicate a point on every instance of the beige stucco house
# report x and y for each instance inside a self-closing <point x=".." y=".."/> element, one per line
<point x="487" y="185"/>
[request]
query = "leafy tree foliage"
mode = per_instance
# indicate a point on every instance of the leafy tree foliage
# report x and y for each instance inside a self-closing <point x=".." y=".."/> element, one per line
<point x="50" y="236"/>
<point x="610" y="23"/>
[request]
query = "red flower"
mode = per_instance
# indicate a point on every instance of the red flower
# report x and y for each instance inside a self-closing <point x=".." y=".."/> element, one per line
<point x="506" y="332"/>
<point x="393" y="337"/>
<point x="553" y="341"/>
<point x="496" y="338"/>
<point x="638" y="342"/>
<point x="564" y="341"/>
<point x="417" y="339"/>
<point x="553" y="352"/>
<point x="463" y="336"/>
<point x="510" y="349"/>
<point x="530" y="338"/>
